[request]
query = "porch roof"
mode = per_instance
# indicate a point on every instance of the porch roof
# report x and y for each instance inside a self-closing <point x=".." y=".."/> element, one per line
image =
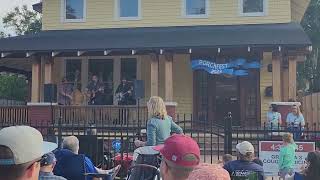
<point x="150" y="38"/>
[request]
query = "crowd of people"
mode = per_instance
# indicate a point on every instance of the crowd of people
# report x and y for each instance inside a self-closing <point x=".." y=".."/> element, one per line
<point x="25" y="156"/>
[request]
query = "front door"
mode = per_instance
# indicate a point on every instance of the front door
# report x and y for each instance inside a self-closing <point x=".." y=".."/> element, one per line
<point x="216" y="95"/>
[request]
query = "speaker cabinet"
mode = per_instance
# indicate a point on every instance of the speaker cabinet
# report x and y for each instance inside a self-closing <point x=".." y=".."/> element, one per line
<point x="138" y="89"/>
<point x="50" y="93"/>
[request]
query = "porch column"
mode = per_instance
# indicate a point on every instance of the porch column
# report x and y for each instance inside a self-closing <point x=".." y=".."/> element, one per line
<point x="48" y="70"/>
<point x="168" y="77"/>
<point x="84" y="73"/>
<point x="154" y="74"/>
<point x="116" y="76"/>
<point x="36" y="76"/>
<point x="293" y="77"/>
<point x="276" y="76"/>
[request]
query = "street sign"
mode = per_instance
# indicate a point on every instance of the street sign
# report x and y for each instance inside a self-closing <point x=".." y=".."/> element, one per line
<point x="269" y="155"/>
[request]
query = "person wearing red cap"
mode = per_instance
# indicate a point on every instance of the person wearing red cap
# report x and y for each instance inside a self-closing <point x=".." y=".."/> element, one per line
<point x="181" y="154"/>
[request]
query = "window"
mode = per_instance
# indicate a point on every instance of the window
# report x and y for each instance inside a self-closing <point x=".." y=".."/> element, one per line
<point x="73" y="70"/>
<point x="253" y="7"/>
<point x="129" y="9"/>
<point x="195" y="8"/>
<point x="74" y="10"/>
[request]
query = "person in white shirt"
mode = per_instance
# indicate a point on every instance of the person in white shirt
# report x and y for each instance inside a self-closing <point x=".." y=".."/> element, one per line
<point x="295" y="122"/>
<point x="273" y="117"/>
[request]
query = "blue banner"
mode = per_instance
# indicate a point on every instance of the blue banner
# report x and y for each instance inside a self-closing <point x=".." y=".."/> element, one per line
<point x="238" y="67"/>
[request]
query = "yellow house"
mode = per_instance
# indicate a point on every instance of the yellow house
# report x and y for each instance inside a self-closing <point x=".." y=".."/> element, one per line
<point x="158" y="42"/>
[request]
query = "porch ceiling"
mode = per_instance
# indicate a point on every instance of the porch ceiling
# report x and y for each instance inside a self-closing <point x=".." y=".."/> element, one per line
<point x="154" y="38"/>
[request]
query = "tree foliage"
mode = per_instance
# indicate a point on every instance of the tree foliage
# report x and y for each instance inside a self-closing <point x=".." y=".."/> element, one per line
<point x="309" y="72"/>
<point x="13" y="87"/>
<point x="22" y="21"/>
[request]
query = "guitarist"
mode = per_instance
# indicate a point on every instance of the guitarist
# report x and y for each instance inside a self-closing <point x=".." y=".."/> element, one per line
<point x="124" y="92"/>
<point x="95" y="91"/>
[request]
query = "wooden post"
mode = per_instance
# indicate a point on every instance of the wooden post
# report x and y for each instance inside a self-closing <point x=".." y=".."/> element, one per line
<point x="36" y="76"/>
<point x="84" y="73"/>
<point x="48" y="71"/>
<point x="292" y="77"/>
<point x="276" y="77"/>
<point x="116" y="75"/>
<point x="154" y="73"/>
<point x="168" y="77"/>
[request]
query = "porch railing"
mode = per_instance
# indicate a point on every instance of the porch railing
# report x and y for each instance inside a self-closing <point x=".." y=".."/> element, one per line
<point x="113" y="115"/>
<point x="14" y="114"/>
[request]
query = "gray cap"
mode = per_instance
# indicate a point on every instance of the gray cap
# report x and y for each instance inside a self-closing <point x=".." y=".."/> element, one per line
<point x="26" y="144"/>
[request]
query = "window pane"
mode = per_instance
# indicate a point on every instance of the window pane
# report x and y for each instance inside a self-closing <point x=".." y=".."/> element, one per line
<point x="129" y="8"/>
<point x="129" y="68"/>
<point x="74" y="9"/>
<point x="73" y="69"/>
<point x="103" y="69"/>
<point x="252" y="6"/>
<point x="195" y="7"/>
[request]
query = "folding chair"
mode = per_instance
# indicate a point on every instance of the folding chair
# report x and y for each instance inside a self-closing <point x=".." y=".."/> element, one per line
<point x="140" y="175"/>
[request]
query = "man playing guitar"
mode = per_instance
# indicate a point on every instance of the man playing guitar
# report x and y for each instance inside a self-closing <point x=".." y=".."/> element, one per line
<point x="94" y="91"/>
<point x="124" y="92"/>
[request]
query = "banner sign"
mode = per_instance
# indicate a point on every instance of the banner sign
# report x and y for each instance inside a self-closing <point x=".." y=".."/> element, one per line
<point x="269" y="155"/>
<point x="237" y="67"/>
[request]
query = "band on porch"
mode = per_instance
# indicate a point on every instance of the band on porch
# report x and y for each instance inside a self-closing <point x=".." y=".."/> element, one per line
<point x="161" y="57"/>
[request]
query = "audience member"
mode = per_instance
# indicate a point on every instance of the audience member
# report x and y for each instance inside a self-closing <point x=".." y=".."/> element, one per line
<point x="226" y="158"/>
<point x="311" y="172"/>
<point x="21" y="150"/>
<point x="258" y="161"/>
<point x="181" y="154"/>
<point x="209" y="172"/>
<point x="47" y="165"/>
<point x="244" y="166"/>
<point x="160" y="125"/>
<point x="70" y="147"/>
<point x="287" y="156"/>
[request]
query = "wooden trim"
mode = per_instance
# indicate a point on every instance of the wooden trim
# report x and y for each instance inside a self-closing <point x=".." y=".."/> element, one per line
<point x="154" y="74"/>
<point x="48" y="70"/>
<point x="168" y="76"/>
<point x="292" y="77"/>
<point x="276" y="74"/>
<point x="36" y="76"/>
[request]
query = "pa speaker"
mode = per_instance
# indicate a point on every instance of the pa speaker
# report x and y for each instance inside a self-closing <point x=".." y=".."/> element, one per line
<point x="138" y="89"/>
<point x="50" y="93"/>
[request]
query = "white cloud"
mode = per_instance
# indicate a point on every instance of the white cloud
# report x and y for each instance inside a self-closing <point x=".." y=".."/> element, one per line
<point x="8" y="5"/>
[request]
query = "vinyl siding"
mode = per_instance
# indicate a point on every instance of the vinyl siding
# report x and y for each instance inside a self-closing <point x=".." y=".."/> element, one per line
<point x="100" y="14"/>
<point x="298" y="8"/>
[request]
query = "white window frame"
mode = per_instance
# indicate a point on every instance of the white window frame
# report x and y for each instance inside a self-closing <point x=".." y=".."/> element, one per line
<point x="63" y="12"/>
<point x="253" y="14"/>
<point x="184" y="10"/>
<point x="117" y="12"/>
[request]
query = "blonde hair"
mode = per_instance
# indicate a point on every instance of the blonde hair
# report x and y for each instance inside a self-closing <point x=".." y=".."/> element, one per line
<point x="298" y="109"/>
<point x="156" y="108"/>
<point x="288" y="138"/>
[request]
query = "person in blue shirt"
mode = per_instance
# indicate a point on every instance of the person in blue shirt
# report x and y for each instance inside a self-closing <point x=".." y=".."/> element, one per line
<point x="295" y="122"/>
<point x="244" y="167"/>
<point x="160" y="125"/>
<point x="69" y="152"/>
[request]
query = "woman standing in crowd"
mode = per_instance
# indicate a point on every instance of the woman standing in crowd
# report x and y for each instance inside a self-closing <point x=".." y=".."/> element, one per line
<point x="273" y="118"/>
<point x="287" y="156"/>
<point x="311" y="172"/>
<point x="295" y="122"/>
<point x="160" y="125"/>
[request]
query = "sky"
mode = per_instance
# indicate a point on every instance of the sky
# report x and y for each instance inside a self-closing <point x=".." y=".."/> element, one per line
<point x="8" y="5"/>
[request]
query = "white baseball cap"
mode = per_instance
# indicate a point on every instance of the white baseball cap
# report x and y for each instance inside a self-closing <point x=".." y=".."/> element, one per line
<point x="26" y="144"/>
<point x="245" y="147"/>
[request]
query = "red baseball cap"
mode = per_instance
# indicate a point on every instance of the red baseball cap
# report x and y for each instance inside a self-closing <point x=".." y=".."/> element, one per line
<point x="180" y="150"/>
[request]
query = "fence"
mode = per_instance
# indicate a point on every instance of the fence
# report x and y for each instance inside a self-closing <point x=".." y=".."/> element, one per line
<point x="311" y="108"/>
<point x="214" y="140"/>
